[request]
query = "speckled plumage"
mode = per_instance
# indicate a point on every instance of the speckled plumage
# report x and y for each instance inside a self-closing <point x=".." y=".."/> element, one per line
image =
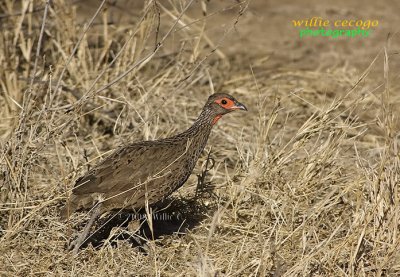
<point x="148" y="171"/>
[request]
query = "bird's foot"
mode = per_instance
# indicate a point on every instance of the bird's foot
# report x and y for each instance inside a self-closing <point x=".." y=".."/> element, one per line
<point x="76" y="244"/>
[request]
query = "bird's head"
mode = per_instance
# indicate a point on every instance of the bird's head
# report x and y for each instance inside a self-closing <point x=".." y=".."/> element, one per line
<point x="222" y="103"/>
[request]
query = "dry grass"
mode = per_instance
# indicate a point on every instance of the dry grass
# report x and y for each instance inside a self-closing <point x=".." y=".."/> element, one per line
<point x="306" y="183"/>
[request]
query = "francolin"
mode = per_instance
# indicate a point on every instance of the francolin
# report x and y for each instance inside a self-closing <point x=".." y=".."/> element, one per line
<point x="146" y="172"/>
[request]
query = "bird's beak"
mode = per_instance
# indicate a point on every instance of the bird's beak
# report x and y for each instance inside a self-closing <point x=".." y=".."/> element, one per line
<point x="238" y="106"/>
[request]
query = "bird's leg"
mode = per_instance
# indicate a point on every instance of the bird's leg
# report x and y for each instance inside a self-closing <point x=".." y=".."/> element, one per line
<point x="201" y="187"/>
<point x="76" y="244"/>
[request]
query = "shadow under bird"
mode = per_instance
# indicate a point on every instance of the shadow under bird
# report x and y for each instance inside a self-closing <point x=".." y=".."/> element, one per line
<point x="146" y="172"/>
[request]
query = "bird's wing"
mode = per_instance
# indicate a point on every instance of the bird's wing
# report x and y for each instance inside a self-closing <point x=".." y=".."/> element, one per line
<point x="130" y="165"/>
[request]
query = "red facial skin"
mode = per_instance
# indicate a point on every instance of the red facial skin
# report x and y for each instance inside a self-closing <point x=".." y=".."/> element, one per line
<point x="216" y="119"/>
<point x="228" y="105"/>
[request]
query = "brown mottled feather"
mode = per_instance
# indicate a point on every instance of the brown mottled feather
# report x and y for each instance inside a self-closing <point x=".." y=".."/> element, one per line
<point x="147" y="170"/>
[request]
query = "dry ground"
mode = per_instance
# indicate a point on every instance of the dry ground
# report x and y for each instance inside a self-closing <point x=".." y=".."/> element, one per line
<point x="305" y="183"/>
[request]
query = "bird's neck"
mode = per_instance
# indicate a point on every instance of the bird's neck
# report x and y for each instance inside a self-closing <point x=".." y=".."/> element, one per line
<point x="199" y="132"/>
<point x="202" y="125"/>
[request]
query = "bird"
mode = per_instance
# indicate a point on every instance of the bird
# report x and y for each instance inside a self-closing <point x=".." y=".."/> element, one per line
<point x="145" y="172"/>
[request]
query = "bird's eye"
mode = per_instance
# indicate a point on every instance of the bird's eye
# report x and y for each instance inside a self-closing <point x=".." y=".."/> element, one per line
<point x="224" y="102"/>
